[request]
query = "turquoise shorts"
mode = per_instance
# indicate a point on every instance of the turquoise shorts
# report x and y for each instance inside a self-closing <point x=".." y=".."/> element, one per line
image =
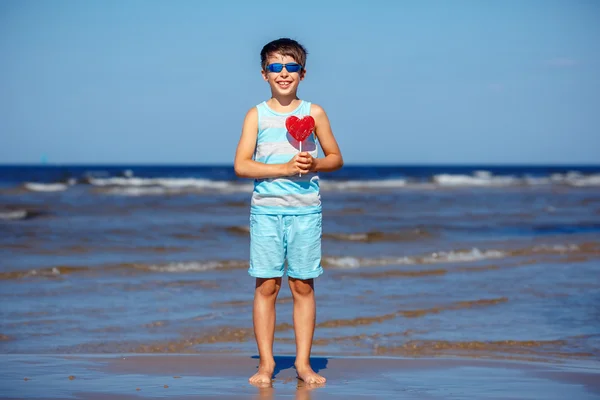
<point x="277" y="238"/>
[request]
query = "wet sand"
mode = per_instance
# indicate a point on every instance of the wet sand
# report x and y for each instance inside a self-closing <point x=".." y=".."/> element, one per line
<point x="224" y="376"/>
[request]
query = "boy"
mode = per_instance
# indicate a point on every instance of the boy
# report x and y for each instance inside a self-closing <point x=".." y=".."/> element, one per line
<point x="285" y="213"/>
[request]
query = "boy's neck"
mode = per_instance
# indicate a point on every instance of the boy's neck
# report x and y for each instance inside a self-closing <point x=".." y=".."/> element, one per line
<point x="283" y="104"/>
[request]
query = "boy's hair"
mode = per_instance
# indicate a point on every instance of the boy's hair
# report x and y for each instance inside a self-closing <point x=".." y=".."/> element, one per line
<point x="285" y="47"/>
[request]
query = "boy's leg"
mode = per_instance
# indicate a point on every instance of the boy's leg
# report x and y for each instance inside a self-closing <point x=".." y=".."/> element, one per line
<point x="263" y="316"/>
<point x="266" y="265"/>
<point x="305" y="311"/>
<point x="304" y="264"/>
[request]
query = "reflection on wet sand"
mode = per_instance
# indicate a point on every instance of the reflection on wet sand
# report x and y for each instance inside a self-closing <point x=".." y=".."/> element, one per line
<point x="303" y="391"/>
<point x="265" y="391"/>
<point x="285" y="374"/>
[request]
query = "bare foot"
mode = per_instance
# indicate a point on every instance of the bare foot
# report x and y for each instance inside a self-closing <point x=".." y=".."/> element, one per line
<point x="306" y="373"/>
<point x="264" y="374"/>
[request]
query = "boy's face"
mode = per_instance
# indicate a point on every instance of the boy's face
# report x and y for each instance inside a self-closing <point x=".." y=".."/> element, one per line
<point x="283" y="83"/>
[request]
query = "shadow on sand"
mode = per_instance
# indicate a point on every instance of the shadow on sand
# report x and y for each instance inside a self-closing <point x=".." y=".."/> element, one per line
<point x="283" y="363"/>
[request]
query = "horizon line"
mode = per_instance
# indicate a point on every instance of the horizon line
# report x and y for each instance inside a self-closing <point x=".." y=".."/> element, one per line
<point x="374" y="164"/>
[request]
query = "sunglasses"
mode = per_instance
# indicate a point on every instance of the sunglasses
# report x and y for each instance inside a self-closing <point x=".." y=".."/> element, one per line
<point x="278" y="67"/>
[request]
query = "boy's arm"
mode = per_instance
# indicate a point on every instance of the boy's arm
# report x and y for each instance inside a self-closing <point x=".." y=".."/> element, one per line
<point x="333" y="156"/>
<point x="245" y="166"/>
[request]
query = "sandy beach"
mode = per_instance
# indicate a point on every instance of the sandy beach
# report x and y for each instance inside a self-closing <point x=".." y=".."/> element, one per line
<point x="224" y="376"/>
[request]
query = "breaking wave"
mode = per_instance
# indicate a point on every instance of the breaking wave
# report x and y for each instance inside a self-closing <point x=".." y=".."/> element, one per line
<point x="453" y="256"/>
<point x="13" y="215"/>
<point x="348" y="262"/>
<point x="479" y="178"/>
<point x="487" y="179"/>
<point x="153" y="186"/>
<point x="133" y="186"/>
<point x="173" y="267"/>
<point x="43" y="272"/>
<point x="129" y="185"/>
<point x="433" y="258"/>
<point x="16" y="213"/>
<point x="46" y="187"/>
<point x="366" y="184"/>
<point x="194" y="266"/>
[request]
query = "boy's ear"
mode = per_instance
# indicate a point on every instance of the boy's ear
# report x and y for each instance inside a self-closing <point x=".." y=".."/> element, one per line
<point x="302" y="74"/>
<point x="264" y="74"/>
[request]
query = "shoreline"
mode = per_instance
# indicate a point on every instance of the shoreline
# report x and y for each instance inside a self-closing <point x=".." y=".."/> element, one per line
<point x="225" y="375"/>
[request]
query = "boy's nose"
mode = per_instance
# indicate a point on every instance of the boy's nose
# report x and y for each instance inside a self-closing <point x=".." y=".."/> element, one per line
<point x="284" y="72"/>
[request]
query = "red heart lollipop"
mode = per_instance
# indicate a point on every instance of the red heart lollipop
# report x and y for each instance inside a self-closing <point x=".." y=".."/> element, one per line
<point x="300" y="128"/>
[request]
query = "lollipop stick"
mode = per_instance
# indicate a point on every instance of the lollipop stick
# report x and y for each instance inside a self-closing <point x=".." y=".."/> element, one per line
<point x="300" y="174"/>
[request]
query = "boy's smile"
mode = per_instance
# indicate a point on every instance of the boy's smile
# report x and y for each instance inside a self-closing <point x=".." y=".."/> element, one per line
<point x="283" y="83"/>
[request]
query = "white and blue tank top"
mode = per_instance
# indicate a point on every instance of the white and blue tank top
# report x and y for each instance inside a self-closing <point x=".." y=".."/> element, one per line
<point x="289" y="195"/>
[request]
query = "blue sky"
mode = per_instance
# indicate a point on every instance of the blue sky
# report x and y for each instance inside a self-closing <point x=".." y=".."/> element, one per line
<point x="427" y="82"/>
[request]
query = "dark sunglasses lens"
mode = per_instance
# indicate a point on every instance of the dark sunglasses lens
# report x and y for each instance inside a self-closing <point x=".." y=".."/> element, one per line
<point x="292" y="67"/>
<point x="275" y="67"/>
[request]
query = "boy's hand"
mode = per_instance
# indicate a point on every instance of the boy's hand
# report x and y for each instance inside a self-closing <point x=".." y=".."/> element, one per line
<point x="302" y="163"/>
<point x="305" y="162"/>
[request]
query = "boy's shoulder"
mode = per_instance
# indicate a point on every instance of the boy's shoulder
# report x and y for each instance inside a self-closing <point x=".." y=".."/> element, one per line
<point x="316" y="110"/>
<point x="252" y="111"/>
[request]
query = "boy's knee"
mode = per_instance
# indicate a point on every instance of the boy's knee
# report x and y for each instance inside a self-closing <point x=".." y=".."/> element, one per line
<point x="268" y="287"/>
<point x="301" y="287"/>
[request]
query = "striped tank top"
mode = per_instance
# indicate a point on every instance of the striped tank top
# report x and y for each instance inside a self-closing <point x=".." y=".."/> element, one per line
<point x="289" y="195"/>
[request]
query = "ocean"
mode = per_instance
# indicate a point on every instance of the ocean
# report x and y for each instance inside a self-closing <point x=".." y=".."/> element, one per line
<point x="498" y="262"/>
